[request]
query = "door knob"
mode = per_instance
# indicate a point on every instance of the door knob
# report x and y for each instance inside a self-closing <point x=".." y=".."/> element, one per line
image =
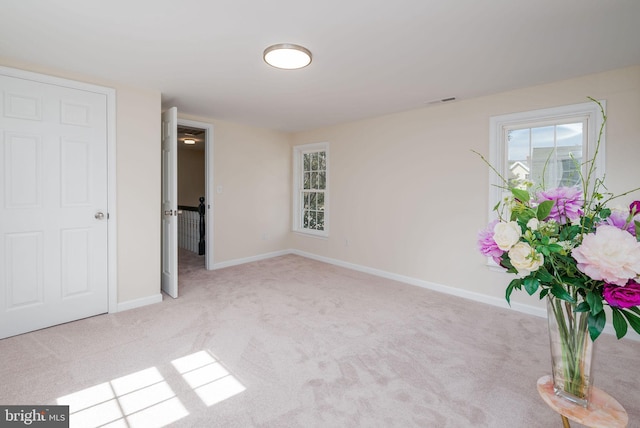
<point x="99" y="215"/>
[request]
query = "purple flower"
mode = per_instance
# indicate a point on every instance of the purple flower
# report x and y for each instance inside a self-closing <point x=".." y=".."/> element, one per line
<point x="626" y="296"/>
<point x="635" y="205"/>
<point x="619" y="219"/>
<point x="567" y="203"/>
<point x="487" y="245"/>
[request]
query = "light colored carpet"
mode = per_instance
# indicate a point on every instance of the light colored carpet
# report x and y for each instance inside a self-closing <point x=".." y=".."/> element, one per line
<point x="292" y="342"/>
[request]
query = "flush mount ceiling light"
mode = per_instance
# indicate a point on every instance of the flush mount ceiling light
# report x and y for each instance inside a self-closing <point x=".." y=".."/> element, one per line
<point x="287" y="56"/>
<point x="189" y="141"/>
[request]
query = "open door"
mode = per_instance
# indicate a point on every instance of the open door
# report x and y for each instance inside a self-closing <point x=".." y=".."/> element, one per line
<point x="170" y="202"/>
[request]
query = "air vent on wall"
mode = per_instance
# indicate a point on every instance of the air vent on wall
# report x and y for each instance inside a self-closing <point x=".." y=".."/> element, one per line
<point x="442" y="100"/>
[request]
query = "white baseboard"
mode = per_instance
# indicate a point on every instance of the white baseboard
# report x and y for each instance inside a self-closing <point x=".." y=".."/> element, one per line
<point x="259" y="257"/>
<point x="465" y="294"/>
<point x="494" y="301"/>
<point x="136" y="303"/>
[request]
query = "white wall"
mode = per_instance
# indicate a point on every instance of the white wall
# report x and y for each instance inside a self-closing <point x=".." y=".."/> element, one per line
<point x="139" y="190"/>
<point x="138" y="183"/>
<point x="191" y="177"/>
<point x="410" y="197"/>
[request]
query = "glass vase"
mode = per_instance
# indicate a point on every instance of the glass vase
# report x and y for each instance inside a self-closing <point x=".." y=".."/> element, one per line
<point x="571" y="350"/>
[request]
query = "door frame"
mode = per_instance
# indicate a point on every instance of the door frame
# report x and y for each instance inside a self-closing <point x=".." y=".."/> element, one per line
<point x="110" y="94"/>
<point x="208" y="185"/>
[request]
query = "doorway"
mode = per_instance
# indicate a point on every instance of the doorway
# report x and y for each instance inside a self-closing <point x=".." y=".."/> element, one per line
<point x="192" y="225"/>
<point x="195" y="181"/>
<point x="169" y="212"/>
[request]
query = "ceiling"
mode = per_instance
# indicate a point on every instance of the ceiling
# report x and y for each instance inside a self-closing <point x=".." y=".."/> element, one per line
<point x="188" y="133"/>
<point x="371" y="57"/>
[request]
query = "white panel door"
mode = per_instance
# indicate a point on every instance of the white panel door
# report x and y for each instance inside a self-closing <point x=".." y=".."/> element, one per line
<point x="53" y="205"/>
<point x="170" y="202"/>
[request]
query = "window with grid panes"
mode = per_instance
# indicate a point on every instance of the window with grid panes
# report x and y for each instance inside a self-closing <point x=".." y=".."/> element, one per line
<point x="311" y="186"/>
<point x="544" y="148"/>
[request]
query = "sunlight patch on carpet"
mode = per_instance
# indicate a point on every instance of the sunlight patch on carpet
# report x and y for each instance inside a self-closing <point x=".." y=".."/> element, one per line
<point x="141" y="399"/>
<point x="207" y="377"/>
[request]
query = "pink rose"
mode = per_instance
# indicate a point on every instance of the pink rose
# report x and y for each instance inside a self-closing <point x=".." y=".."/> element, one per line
<point x="611" y="255"/>
<point x="626" y="296"/>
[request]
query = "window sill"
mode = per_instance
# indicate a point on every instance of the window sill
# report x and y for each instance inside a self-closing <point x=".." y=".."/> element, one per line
<point x="316" y="235"/>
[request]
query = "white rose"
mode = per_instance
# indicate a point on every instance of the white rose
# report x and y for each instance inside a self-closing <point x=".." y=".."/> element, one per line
<point x="611" y="255"/>
<point x="533" y="224"/>
<point x="524" y="258"/>
<point x="506" y="235"/>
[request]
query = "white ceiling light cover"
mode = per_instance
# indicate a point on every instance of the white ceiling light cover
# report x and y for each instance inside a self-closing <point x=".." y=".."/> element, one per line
<point x="287" y="56"/>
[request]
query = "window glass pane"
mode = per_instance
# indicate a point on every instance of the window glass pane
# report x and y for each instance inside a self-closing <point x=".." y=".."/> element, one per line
<point x="307" y="180"/>
<point x="543" y="136"/>
<point x="320" y="201"/>
<point x="548" y="156"/>
<point x="314" y="180"/>
<point x="314" y="161"/>
<point x="518" y="155"/>
<point x="307" y="161"/>
<point x="311" y="215"/>
<point x="306" y="200"/>
<point x="322" y="160"/>
<point x="312" y="201"/>
<point x="570" y="135"/>
<point x="569" y="172"/>
<point x="320" y="221"/>
<point x="305" y="219"/>
<point x="519" y="145"/>
<point x="322" y="180"/>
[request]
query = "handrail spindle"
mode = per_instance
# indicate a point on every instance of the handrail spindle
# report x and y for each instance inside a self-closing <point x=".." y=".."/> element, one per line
<point x="201" y="210"/>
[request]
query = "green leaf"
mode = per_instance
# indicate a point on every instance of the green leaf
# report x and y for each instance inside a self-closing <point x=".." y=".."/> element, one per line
<point x="525" y="216"/>
<point x="605" y="213"/>
<point x="506" y="263"/>
<point x="634" y="321"/>
<point x="596" y="324"/>
<point x="543" y="293"/>
<point x="531" y="285"/>
<point x="595" y="302"/>
<point x="544" y="209"/>
<point x="568" y="233"/>
<point x="516" y="283"/>
<point x="635" y="309"/>
<point x="555" y="248"/>
<point x="521" y="195"/>
<point x="619" y="323"/>
<point x="561" y="293"/>
<point x="544" y="275"/>
<point x="637" y="223"/>
<point x="583" y="307"/>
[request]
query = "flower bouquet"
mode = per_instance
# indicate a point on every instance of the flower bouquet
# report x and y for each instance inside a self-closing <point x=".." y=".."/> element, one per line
<point x="567" y="245"/>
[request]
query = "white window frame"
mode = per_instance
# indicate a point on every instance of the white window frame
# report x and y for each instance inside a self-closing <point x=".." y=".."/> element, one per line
<point x="500" y="125"/>
<point x="298" y="152"/>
